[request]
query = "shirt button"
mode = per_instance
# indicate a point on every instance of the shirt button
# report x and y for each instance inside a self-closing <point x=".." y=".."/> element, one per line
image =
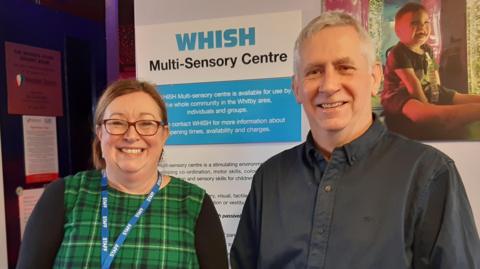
<point x="328" y="188"/>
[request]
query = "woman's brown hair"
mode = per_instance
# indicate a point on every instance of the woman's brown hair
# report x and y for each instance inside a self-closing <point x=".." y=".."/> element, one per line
<point x="117" y="89"/>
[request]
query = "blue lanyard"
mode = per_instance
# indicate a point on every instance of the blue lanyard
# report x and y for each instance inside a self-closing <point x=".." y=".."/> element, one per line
<point x="107" y="257"/>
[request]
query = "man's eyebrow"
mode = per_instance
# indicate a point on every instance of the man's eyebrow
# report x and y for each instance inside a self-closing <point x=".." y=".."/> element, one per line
<point x="340" y="61"/>
<point x="313" y="65"/>
<point x="344" y="60"/>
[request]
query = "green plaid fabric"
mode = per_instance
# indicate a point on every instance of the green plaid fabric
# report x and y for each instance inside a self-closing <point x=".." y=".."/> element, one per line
<point x="162" y="238"/>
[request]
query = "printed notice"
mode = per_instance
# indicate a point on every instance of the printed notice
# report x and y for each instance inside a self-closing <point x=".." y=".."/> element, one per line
<point x="227" y="182"/>
<point x="218" y="49"/>
<point x="226" y="82"/>
<point x="249" y="111"/>
<point x="27" y="199"/>
<point x="34" y="83"/>
<point x="40" y="147"/>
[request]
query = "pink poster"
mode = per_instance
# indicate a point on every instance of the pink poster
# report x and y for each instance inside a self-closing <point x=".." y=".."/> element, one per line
<point x="435" y="40"/>
<point x="358" y="8"/>
<point x="34" y="85"/>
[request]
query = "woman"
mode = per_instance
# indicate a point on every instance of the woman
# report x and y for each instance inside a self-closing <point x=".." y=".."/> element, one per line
<point x="125" y="214"/>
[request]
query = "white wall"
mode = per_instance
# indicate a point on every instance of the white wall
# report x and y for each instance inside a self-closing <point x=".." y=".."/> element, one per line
<point x="156" y="12"/>
<point x="3" y="231"/>
<point x="467" y="159"/>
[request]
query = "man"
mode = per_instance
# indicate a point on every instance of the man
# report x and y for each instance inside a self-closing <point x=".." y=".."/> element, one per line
<point x="353" y="195"/>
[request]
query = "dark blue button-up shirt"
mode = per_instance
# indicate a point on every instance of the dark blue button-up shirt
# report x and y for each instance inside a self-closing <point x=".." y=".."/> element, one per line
<point x="382" y="201"/>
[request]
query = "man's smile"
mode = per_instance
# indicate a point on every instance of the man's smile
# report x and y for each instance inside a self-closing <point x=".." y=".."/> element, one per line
<point x="331" y="105"/>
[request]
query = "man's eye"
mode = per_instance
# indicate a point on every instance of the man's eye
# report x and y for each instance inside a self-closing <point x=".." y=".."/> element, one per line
<point x="313" y="72"/>
<point x="346" y="68"/>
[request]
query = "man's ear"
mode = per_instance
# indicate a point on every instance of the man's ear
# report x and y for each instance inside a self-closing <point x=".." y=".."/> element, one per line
<point x="296" y="84"/>
<point x="377" y="76"/>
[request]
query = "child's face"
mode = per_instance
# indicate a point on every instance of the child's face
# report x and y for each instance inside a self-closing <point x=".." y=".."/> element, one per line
<point x="413" y="28"/>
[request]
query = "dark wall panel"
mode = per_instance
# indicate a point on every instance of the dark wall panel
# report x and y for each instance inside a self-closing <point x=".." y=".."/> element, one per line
<point x="81" y="43"/>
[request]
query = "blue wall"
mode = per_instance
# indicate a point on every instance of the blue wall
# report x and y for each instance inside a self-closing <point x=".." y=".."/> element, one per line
<point x="23" y="22"/>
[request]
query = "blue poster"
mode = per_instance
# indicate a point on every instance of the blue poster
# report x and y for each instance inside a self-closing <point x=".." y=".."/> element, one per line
<point x="246" y="111"/>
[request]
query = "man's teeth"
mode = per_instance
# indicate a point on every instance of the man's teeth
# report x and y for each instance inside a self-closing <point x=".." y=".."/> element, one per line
<point x="331" y="105"/>
<point x="132" y="151"/>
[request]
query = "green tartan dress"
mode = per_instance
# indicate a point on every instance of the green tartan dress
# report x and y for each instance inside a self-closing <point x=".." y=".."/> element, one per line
<point x="164" y="237"/>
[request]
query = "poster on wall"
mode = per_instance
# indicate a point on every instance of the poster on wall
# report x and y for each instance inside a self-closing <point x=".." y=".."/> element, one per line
<point x="34" y="84"/>
<point x="449" y="31"/>
<point x="40" y="148"/>
<point x="27" y="199"/>
<point x="227" y="85"/>
<point x="224" y="80"/>
<point x="431" y="88"/>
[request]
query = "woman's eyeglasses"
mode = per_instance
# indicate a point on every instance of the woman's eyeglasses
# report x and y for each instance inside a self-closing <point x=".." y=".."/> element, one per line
<point x="143" y="127"/>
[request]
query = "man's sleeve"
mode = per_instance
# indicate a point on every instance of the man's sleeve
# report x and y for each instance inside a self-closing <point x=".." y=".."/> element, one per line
<point x="244" y="251"/>
<point x="446" y="236"/>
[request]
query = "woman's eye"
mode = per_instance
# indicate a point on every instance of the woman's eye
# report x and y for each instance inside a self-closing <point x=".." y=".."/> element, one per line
<point x="117" y="122"/>
<point x="147" y="124"/>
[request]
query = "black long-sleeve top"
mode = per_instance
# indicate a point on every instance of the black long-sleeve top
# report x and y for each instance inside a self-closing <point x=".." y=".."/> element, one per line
<point x="44" y="232"/>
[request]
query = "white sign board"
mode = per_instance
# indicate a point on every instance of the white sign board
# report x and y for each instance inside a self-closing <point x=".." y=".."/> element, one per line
<point x="40" y="148"/>
<point x="27" y="199"/>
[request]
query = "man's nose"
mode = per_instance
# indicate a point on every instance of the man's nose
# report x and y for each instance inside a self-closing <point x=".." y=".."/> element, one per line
<point x="330" y="82"/>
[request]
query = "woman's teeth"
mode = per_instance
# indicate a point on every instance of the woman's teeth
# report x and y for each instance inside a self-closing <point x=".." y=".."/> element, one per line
<point x="132" y="151"/>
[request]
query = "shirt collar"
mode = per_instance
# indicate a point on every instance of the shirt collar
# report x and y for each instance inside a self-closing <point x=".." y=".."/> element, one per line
<point x="313" y="155"/>
<point x="354" y="150"/>
<point x="361" y="146"/>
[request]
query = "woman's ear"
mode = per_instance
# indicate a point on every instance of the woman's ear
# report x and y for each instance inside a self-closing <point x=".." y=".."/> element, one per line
<point x="166" y="133"/>
<point x="98" y="132"/>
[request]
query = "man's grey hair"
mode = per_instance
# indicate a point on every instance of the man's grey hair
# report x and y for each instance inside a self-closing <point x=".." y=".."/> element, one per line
<point x="329" y="19"/>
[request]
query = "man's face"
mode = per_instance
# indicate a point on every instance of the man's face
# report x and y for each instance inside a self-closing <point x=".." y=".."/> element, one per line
<point x="413" y="28"/>
<point x="335" y="83"/>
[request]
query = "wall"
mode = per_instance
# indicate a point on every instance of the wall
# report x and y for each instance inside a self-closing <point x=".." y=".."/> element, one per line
<point x="3" y="231"/>
<point x="465" y="155"/>
<point x="230" y="164"/>
<point x="82" y="47"/>
<point x="154" y="12"/>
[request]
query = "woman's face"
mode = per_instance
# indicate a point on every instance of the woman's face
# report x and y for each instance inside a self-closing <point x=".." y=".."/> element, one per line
<point x="131" y="153"/>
